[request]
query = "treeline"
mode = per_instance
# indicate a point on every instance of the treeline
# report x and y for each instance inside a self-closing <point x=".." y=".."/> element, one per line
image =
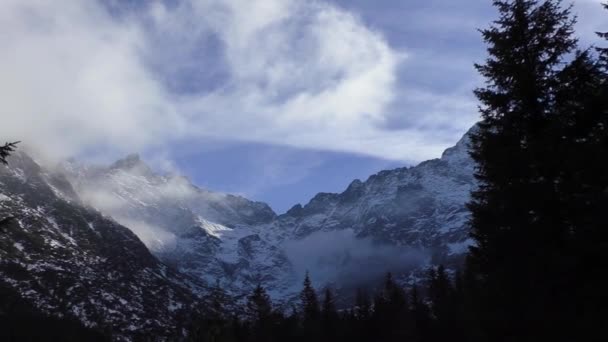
<point x="438" y="310"/>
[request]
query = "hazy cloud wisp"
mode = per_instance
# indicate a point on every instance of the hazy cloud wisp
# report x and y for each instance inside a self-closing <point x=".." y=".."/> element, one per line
<point x="333" y="256"/>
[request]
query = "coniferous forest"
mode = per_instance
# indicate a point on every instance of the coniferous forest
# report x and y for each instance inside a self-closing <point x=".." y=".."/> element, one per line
<point x="537" y="269"/>
<point x="539" y="216"/>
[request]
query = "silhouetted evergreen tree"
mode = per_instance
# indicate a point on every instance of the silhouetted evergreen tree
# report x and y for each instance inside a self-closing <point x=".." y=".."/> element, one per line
<point x="534" y="122"/>
<point x="311" y="312"/>
<point x="421" y="317"/>
<point x="391" y="312"/>
<point x="444" y="305"/>
<point x="6" y="151"/>
<point x="362" y="315"/>
<point x="289" y="328"/>
<point x="214" y="324"/>
<point x="329" y="316"/>
<point x="580" y="142"/>
<point x="604" y="50"/>
<point x="363" y="305"/>
<point x="440" y="292"/>
<point x="218" y="300"/>
<point x="259" y="315"/>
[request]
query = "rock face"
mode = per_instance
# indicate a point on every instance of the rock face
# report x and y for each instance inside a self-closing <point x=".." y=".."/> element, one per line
<point x="412" y="215"/>
<point x="67" y="259"/>
<point x="396" y="220"/>
<point x="421" y="206"/>
<point x="210" y="236"/>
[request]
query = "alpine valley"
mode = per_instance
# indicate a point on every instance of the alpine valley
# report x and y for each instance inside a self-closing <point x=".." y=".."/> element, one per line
<point x="125" y="247"/>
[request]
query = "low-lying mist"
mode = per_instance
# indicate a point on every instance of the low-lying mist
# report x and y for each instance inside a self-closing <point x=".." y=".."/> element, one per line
<point x="342" y="258"/>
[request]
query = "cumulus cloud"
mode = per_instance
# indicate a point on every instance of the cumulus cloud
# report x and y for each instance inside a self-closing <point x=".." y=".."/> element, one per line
<point x="336" y="256"/>
<point x="79" y="79"/>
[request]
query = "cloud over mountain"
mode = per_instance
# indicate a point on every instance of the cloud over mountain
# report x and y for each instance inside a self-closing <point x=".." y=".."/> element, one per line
<point x="82" y="79"/>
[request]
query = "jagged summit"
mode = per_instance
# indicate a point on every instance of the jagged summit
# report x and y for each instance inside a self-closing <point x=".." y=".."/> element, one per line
<point x="132" y="162"/>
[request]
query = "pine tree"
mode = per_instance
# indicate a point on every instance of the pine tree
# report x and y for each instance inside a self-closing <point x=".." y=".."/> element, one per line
<point x="362" y="317"/>
<point x="309" y="301"/>
<point x="391" y="313"/>
<point x="259" y="305"/>
<point x="604" y="50"/>
<point x="516" y="237"/>
<point x="363" y="306"/>
<point x="421" y="317"/>
<point x="259" y="314"/>
<point x="440" y="293"/>
<point x="289" y="327"/>
<point x="443" y="305"/>
<point x="581" y="142"/>
<point x="311" y="312"/>
<point x="217" y="301"/>
<point x="6" y="151"/>
<point x="329" y="316"/>
<point x="214" y="325"/>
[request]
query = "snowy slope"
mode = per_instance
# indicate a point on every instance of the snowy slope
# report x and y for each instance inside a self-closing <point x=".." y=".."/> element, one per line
<point x="67" y="259"/>
<point x="418" y="206"/>
<point x="208" y="235"/>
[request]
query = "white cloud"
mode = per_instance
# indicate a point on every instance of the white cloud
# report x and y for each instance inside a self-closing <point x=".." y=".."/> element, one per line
<point x="71" y="79"/>
<point x="339" y="256"/>
<point x="156" y="239"/>
<point x="298" y="73"/>
<point x="307" y="74"/>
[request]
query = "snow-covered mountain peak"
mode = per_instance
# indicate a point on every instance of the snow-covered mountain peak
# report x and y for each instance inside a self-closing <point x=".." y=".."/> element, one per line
<point x="67" y="259"/>
<point x="133" y="164"/>
<point x="393" y="215"/>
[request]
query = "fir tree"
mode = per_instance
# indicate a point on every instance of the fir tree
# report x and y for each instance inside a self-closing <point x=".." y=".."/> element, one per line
<point x="604" y="50"/>
<point x="329" y="316"/>
<point x="421" y="317"/>
<point x="522" y="239"/>
<point x="362" y="320"/>
<point x="259" y="314"/>
<point x="391" y="315"/>
<point x="443" y="304"/>
<point x="259" y="305"/>
<point x="218" y="300"/>
<point x="311" y="312"/>
<point x="309" y="301"/>
<point x="581" y="144"/>
<point x="6" y="151"/>
<point x="363" y="306"/>
<point x="440" y="293"/>
<point x="213" y="325"/>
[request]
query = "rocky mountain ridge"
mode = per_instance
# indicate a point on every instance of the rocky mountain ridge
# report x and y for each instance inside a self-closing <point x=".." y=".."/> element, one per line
<point x="71" y="237"/>
<point x="67" y="259"/>
<point x="214" y="236"/>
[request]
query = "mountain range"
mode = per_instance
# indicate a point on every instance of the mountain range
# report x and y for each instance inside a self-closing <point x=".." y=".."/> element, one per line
<point x="127" y="247"/>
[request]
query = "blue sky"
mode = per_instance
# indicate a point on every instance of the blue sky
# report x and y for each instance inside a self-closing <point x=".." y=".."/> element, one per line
<point x="272" y="99"/>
